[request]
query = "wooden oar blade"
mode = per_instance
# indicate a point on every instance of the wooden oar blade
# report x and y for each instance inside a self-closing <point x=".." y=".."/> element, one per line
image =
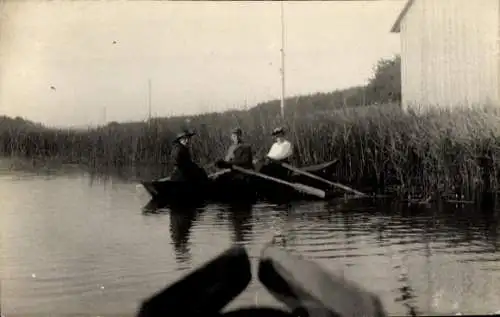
<point x="310" y="190"/>
<point x="219" y="173"/>
<point x="205" y="291"/>
<point x="304" y="285"/>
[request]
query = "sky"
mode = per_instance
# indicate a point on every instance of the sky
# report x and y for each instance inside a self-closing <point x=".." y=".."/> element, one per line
<point x="78" y="63"/>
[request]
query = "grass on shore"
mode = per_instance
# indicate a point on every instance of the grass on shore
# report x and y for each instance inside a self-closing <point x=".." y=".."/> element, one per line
<point x="377" y="145"/>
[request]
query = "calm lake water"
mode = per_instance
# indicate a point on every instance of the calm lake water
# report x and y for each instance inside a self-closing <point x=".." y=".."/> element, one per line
<point x="73" y="244"/>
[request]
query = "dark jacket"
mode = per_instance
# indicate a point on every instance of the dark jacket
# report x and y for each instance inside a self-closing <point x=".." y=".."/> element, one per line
<point x="184" y="167"/>
<point x="241" y="155"/>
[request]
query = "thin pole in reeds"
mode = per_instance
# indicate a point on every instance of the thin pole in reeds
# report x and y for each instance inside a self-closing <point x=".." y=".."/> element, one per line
<point x="104" y="119"/>
<point x="282" y="62"/>
<point x="149" y="101"/>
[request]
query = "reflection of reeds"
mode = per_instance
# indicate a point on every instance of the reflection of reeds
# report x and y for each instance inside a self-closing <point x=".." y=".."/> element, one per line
<point x="377" y="145"/>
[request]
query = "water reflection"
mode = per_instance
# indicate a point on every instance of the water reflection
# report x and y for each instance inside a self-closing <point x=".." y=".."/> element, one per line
<point x="181" y="222"/>
<point x="240" y="216"/>
<point x="490" y="231"/>
<point x="437" y="260"/>
<point x="182" y="219"/>
<point x="284" y="232"/>
<point x="407" y="295"/>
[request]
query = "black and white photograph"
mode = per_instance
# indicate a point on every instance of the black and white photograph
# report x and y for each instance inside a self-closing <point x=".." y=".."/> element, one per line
<point x="249" y="158"/>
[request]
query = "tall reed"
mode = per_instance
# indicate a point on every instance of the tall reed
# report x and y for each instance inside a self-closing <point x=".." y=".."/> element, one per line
<point x="378" y="146"/>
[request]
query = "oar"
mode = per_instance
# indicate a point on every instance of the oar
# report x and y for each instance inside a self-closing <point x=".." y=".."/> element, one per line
<point x="304" y="285"/>
<point x="299" y="187"/>
<point x="219" y="173"/>
<point x="299" y="171"/>
<point x="212" y="176"/>
<point x="206" y="290"/>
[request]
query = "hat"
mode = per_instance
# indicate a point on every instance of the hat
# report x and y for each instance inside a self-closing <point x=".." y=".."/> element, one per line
<point x="278" y="131"/>
<point x="237" y="131"/>
<point x="184" y="134"/>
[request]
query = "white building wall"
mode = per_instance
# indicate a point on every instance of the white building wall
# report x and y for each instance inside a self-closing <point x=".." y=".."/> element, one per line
<point x="450" y="53"/>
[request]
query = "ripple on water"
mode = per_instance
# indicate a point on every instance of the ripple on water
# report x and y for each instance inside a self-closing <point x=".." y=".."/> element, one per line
<point x="91" y="250"/>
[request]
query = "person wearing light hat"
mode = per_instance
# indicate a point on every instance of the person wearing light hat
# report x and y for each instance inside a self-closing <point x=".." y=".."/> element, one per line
<point x="281" y="151"/>
<point x="184" y="167"/>
<point x="239" y="153"/>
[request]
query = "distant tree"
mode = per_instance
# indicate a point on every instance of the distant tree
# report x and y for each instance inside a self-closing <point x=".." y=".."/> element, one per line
<point x="385" y="85"/>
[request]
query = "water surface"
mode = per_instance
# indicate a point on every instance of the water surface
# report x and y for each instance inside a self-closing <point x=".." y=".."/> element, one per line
<point x="74" y="244"/>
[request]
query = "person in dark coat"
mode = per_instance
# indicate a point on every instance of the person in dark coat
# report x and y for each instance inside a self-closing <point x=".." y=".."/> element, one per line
<point x="239" y="153"/>
<point x="184" y="167"/>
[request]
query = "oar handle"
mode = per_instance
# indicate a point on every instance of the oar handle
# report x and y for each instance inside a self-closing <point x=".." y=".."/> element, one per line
<point x="250" y="172"/>
<point x="300" y="187"/>
<point x="218" y="173"/>
<point x="299" y="171"/>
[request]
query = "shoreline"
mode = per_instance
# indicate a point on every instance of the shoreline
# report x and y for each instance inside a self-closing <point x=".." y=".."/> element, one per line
<point x="379" y="147"/>
<point x="132" y="174"/>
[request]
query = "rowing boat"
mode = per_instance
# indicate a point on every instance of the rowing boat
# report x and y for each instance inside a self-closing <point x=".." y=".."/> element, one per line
<point x="249" y="189"/>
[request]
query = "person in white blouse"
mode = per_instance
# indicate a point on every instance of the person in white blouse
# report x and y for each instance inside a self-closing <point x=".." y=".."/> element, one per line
<point x="281" y="151"/>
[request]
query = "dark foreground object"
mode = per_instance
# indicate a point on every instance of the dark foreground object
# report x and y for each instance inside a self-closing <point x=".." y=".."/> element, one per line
<point x="303" y="286"/>
<point x="244" y="188"/>
<point x="206" y="290"/>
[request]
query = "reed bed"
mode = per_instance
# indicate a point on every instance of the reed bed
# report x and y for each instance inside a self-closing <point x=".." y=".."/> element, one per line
<point x="379" y="147"/>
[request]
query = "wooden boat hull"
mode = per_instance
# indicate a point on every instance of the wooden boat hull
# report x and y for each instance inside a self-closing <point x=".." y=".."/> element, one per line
<point x="224" y="190"/>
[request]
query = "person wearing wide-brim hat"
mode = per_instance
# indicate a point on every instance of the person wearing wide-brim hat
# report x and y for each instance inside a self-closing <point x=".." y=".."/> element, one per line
<point x="239" y="153"/>
<point x="184" y="167"/>
<point x="281" y="151"/>
<point x="184" y="137"/>
<point x="278" y="132"/>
